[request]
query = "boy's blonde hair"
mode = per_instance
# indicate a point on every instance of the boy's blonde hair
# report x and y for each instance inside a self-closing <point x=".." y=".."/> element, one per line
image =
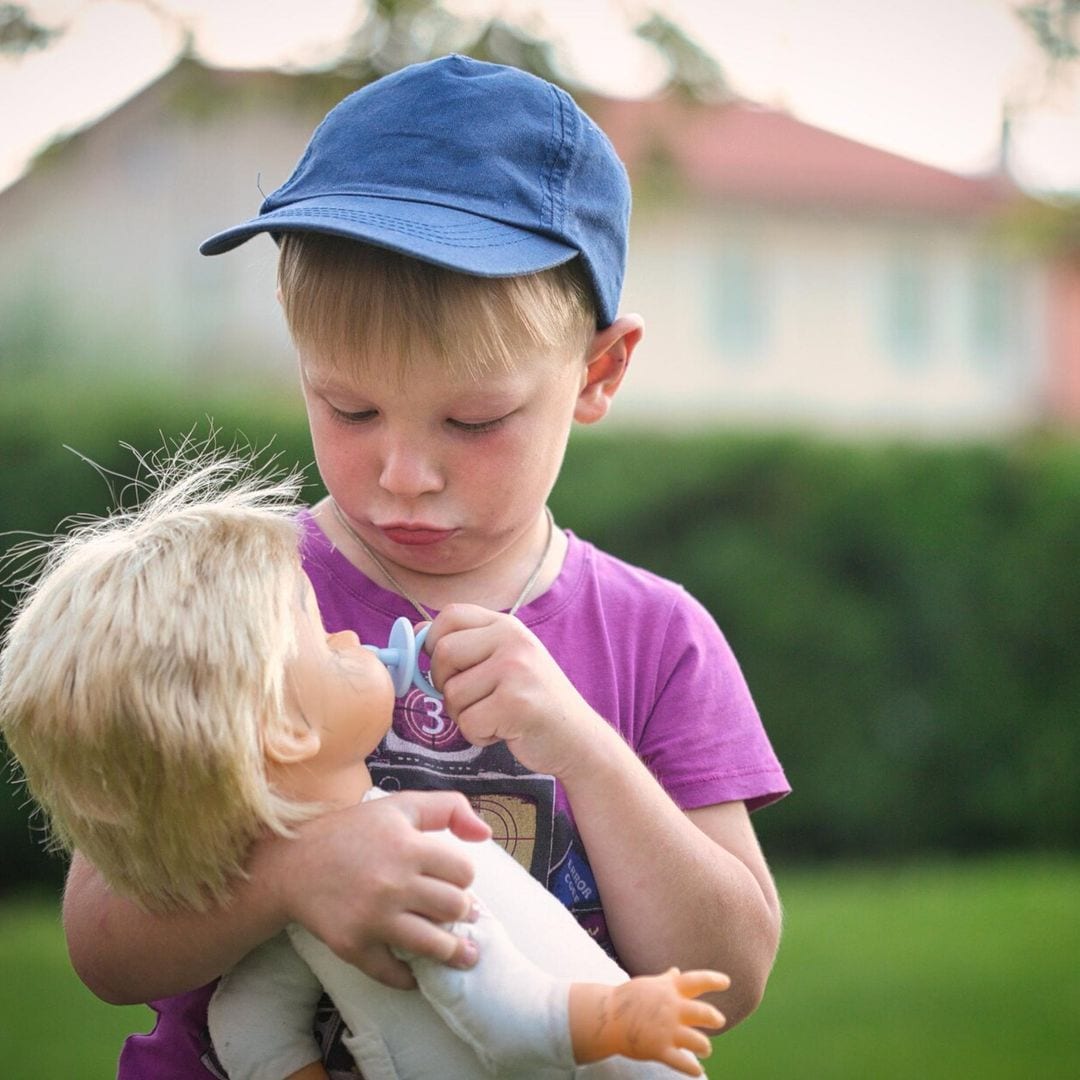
<point x="141" y="672"/>
<point x="354" y="303"/>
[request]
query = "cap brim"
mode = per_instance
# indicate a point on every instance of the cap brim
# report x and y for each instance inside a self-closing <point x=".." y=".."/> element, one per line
<point x="437" y="234"/>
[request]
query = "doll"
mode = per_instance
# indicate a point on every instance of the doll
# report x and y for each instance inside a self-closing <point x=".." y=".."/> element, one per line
<point x="171" y="695"/>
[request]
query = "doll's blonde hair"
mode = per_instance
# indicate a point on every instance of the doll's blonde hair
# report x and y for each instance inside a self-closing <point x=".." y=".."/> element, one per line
<point x="356" y="304"/>
<point x="141" y="673"/>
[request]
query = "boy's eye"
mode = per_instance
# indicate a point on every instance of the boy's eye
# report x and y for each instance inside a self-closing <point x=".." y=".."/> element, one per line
<point x="476" y="427"/>
<point x="347" y="417"/>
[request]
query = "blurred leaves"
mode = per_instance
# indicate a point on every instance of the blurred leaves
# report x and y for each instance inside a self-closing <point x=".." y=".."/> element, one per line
<point x="1055" y="25"/>
<point x="1047" y="229"/>
<point x="695" y="74"/>
<point x="399" y="32"/>
<point x="904" y="615"/>
<point x="19" y="33"/>
<point x="391" y="34"/>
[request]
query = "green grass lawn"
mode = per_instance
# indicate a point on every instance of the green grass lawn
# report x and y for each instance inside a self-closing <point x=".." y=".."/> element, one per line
<point x="949" y="970"/>
<point x="50" y="1024"/>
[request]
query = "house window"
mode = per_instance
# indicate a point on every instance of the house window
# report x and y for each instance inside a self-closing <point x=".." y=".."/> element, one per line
<point x="907" y="322"/>
<point x="739" y="307"/>
<point x="992" y="313"/>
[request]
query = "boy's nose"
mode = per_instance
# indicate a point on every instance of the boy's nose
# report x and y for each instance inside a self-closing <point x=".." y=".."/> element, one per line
<point x="408" y="472"/>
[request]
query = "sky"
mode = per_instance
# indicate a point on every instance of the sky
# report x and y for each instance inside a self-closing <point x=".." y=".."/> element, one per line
<point x="923" y="78"/>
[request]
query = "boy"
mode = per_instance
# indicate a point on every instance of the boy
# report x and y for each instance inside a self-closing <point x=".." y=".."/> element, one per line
<point x="129" y="690"/>
<point x="452" y="251"/>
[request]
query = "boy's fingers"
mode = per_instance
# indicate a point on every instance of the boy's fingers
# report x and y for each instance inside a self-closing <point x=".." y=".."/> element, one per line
<point x="382" y="966"/>
<point x="439" y="902"/>
<point x="463" y="651"/>
<point x="454" y="618"/>
<point x="434" y="810"/>
<point x="442" y="860"/>
<point x="464" y="644"/>
<point x="465" y="954"/>
<point x="420" y="937"/>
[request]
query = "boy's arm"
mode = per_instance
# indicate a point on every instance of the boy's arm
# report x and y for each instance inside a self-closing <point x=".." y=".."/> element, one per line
<point x="686" y="889"/>
<point x="362" y="879"/>
<point x="691" y="889"/>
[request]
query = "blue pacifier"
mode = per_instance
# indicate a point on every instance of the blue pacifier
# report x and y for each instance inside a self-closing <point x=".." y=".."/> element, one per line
<point x="401" y="657"/>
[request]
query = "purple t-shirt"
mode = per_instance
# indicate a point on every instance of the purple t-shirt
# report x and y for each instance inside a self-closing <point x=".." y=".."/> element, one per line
<point x="640" y="650"/>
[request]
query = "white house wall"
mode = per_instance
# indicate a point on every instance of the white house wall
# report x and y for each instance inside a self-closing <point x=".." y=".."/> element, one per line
<point x="99" y="246"/>
<point x="824" y="340"/>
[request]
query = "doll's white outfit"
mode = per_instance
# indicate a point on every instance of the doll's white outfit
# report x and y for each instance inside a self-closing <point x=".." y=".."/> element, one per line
<point x="506" y="1017"/>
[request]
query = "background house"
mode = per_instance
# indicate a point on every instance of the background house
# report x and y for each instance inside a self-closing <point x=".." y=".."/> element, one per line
<point x="787" y="275"/>
<point x="790" y="274"/>
<point x="99" y="239"/>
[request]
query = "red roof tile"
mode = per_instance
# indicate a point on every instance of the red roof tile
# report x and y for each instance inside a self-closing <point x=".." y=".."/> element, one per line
<point x="748" y="153"/>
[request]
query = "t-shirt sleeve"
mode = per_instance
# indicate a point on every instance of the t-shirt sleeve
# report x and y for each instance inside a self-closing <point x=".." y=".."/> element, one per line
<point x="703" y="738"/>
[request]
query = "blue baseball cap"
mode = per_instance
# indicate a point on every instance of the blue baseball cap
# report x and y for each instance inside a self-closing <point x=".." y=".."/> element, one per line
<point x="472" y="166"/>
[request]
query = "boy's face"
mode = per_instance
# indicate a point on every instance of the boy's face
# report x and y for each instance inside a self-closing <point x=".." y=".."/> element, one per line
<point x="443" y="474"/>
<point x="342" y="690"/>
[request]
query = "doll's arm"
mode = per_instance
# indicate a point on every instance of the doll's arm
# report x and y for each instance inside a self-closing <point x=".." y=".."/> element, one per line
<point x="517" y="1017"/>
<point x="512" y="1014"/>
<point x="262" y="1014"/>
<point x="650" y="1018"/>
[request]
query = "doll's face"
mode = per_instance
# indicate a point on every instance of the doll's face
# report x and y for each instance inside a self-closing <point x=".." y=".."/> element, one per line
<point x="342" y="690"/>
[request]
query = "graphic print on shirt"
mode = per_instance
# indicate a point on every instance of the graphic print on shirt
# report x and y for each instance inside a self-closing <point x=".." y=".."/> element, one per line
<point x="424" y="750"/>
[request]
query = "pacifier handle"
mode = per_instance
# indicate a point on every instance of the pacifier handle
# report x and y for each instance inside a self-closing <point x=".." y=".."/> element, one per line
<point x="401" y="657"/>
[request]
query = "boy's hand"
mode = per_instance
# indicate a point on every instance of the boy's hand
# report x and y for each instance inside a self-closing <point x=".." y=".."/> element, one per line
<point x="500" y="683"/>
<point x="371" y="878"/>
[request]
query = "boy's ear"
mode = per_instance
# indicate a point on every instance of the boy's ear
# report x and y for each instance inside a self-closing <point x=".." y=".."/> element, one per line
<point x="292" y="742"/>
<point x="605" y="365"/>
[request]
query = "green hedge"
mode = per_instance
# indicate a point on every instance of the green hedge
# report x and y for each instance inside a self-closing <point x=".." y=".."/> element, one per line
<point x="906" y="615"/>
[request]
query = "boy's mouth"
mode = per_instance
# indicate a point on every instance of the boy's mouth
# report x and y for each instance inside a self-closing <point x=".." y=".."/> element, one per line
<point x="415" y="535"/>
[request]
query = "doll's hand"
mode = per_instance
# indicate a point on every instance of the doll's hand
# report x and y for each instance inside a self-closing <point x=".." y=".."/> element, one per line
<point x="501" y="683"/>
<point x="650" y="1018"/>
<point x="372" y="878"/>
